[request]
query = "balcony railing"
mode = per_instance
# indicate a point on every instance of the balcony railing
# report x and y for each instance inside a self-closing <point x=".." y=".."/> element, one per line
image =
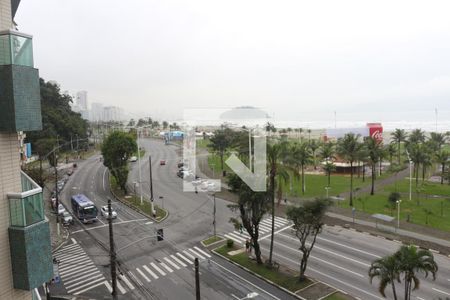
<point x="26" y="208"/>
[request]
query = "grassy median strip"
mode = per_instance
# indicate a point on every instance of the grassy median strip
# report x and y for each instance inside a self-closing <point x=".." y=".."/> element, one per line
<point x="212" y="240"/>
<point x="285" y="280"/>
<point x="338" y="296"/>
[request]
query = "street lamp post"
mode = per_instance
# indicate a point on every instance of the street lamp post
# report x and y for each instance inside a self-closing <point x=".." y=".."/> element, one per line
<point x="398" y="213"/>
<point x="410" y="174"/>
<point x="214" y="212"/>
<point x="327" y="188"/>
<point x="139" y="164"/>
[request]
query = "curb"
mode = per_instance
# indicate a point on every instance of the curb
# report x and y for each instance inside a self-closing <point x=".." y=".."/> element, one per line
<point x="136" y="209"/>
<point x="259" y="276"/>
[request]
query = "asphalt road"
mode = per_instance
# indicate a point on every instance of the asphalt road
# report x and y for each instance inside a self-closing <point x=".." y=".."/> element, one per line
<point x="341" y="257"/>
<point x="148" y="269"/>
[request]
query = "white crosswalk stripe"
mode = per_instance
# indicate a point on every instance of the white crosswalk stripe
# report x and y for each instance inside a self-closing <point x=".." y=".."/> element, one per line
<point x="178" y="261"/>
<point x="196" y="254"/>
<point x="150" y="272"/>
<point x="201" y="251"/>
<point x="77" y="270"/>
<point x="143" y="275"/>
<point x="166" y="267"/>
<point x="183" y="257"/>
<point x="171" y="263"/>
<point x="121" y="288"/>
<point x="233" y="238"/>
<point x="158" y="269"/>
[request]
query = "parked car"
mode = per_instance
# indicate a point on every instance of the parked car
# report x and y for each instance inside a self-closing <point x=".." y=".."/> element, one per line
<point x="162" y="162"/>
<point x="133" y="159"/>
<point x="61" y="209"/>
<point x="105" y="212"/>
<point x="67" y="218"/>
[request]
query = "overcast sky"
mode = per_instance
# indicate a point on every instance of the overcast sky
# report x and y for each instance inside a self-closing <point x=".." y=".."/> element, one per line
<point x="295" y="59"/>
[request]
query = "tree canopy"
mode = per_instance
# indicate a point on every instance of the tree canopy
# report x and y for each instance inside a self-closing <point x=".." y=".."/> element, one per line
<point x="58" y="119"/>
<point x="116" y="150"/>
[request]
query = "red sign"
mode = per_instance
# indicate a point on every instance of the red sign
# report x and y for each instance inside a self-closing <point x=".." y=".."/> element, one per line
<point x="376" y="131"/>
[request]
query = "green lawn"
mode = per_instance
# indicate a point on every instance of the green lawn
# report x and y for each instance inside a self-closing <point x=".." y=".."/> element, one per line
<point x="337" y="296"/>
<point x="285" y="280"/>
<point x="430" y="188"/>
<point x="419" y="209"/>
<point x="202" y="143"/>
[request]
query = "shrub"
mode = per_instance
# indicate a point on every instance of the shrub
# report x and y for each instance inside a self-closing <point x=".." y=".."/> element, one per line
<point x="230" y="243"/>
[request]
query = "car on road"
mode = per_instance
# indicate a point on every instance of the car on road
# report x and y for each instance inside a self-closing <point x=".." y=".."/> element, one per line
<point x="162" y="162"/>
<point x="180" y="164"/>
<point x="133" y="158"/>
<point x="105" y="212"/>
<point x="66" y="218"/>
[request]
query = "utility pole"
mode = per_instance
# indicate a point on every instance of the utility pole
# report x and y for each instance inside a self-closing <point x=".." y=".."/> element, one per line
<point x="214" y="222"/>
<point x="197" y="280"/>
<point x="112" y="253"/>
<point x="56" y="192"/>
<point x="151" y="184"/>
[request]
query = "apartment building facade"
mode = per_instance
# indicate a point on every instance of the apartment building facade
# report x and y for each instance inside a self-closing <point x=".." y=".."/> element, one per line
<point x="25" y="248"/>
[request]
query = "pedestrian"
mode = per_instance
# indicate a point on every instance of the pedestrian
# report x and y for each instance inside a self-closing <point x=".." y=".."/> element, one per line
<point x="241" y="228"/>
<point x="250" y="247"/>
<point x="247" y="245"/>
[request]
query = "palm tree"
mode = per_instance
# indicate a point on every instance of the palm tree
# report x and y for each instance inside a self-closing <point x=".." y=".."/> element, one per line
<point x="276" y="154"/>
<point x="442" y="158"/>
<point x="349" y="148"/>
<point x="329" y="167"/>
<point x="314" y="145"/>
<point x="300" y="156"/>
<point x="438" y="139"/>
<point x="387" y="270"/>
<point x="398" y="136"/>
<point x="390" y="150"/>
<point x="412" y="261"/>
<point x="309" y="135"/>
<point x="416" y="153"/>
<point x="374" y="150"/>
<point x="416" y="136"/>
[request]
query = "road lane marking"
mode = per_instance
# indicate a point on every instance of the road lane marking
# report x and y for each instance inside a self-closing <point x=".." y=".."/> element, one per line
<point x="197" y="254"/>
<point x="102" y="226"/>
<point x="100" y="221"/>
<point x="178" y="261"/>
<point x="108" y="286"/>
<point x="74" y="271"/>
<point x="348" y="247"/>
<point x="278" y="231"/>
<point x="324" y="261"/>
<point x="150" y="272"/>
<point x="166" y="267"/>
<point x="334" y="278"/>
<point x="171" y="263"/>
<point x="187" y="260"/>
<point x="76" y="290"/>
<point x="158" y="269"/>
<point x="89" y="288"/>
<point x="243" y="279"/>
<point x="201" y="251"/>
<point x="73" y="240"/>
<point x="66" y="281"/>
<point x="440" y="291"/>
<point x="143" y="275"/>
<point x="329" y="251"/>
<point x="148" y="223"/>
<point x="93" y="277"/>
